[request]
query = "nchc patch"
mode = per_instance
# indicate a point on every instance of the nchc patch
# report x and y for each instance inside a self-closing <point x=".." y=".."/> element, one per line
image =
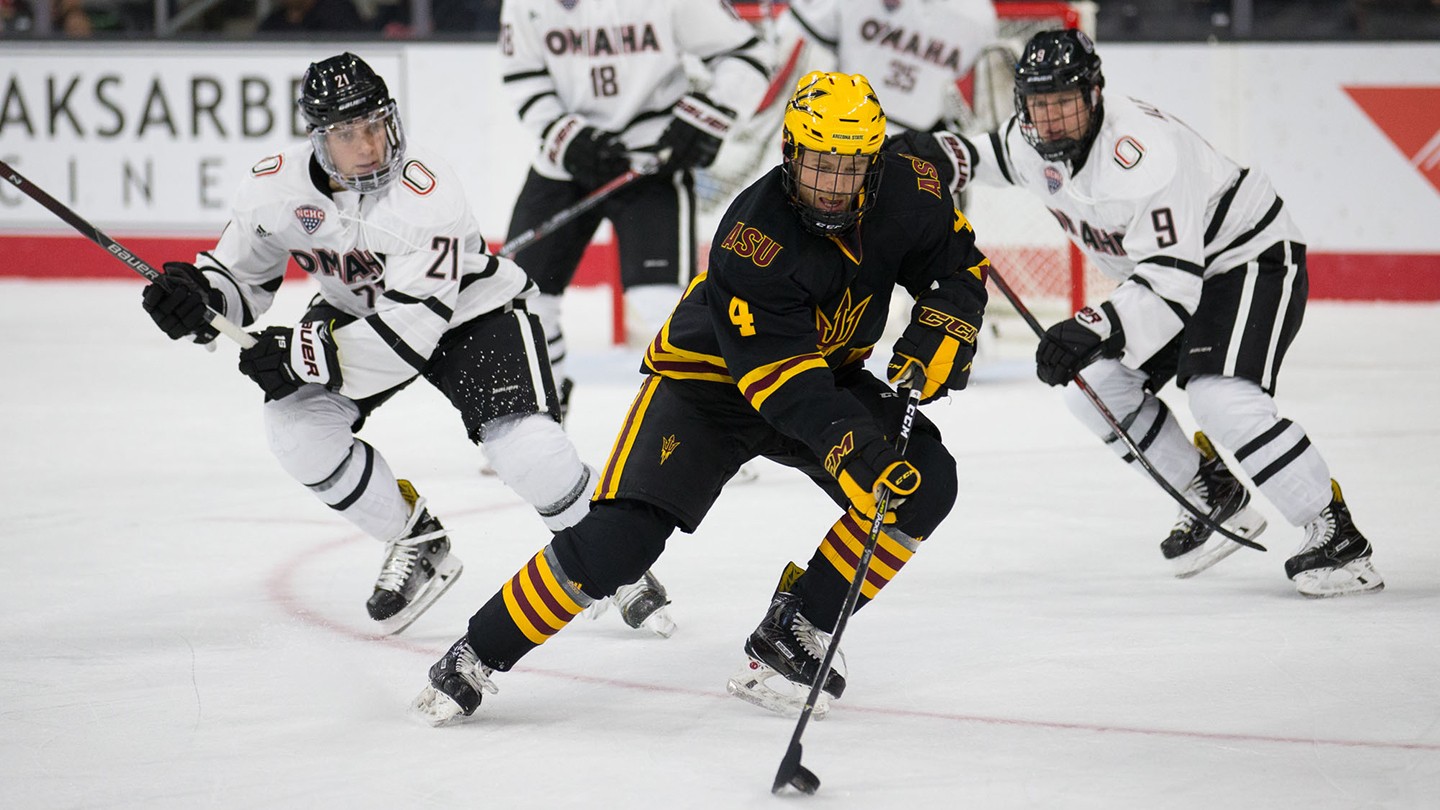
<point x="310" y="217"/>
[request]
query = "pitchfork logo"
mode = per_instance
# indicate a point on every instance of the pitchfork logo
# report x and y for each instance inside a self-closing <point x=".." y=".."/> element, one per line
<point x="1410" y="118"/>
<point x="310" y="217"/>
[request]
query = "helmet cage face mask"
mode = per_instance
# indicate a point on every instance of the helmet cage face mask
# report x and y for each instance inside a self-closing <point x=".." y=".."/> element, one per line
<point x="1053" y="62"/>
<point x="342" y="98"/>
<point x="803" y="164"/>
<point x="832" y="114"/>
<point x="327" y="139"/>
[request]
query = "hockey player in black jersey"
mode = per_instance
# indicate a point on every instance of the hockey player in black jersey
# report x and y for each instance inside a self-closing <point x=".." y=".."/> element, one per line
<point x="764" y="356"/>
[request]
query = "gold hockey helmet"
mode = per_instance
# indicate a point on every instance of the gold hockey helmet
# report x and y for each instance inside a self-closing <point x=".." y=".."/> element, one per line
<point x="834" y="114"/>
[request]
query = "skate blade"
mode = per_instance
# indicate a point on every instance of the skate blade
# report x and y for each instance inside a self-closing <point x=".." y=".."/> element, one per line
<point x="745" y="475"/>
<point x="597" y="609"/>
<point x="1355" y="577"/>
<point x="1248" y="523"/>
<point x="751" y="686"/>
<point x="659" y="623"/>
<point x="435" y="708"/>
<point x="445" y="576"/>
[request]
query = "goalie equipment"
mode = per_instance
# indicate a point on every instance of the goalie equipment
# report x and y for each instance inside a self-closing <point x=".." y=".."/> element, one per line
<point x="457" y="682"/>
<point x="786" y="645"/>
<point x="418" y="569"/>
<point x="1192" y="546"/>
<point x="1334" y="560"/>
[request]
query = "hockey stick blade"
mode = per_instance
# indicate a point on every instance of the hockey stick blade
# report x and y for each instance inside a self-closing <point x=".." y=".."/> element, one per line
<point x="114" y="248"/>
<point x="1117" y="428"/>
<point x="794" y="774"/>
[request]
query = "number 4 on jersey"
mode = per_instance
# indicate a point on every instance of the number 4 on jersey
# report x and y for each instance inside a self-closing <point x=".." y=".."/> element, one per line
<point x="741" y="317"/>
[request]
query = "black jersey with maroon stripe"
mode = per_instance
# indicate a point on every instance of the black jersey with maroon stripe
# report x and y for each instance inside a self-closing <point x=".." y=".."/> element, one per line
<point x="782" y="312"/>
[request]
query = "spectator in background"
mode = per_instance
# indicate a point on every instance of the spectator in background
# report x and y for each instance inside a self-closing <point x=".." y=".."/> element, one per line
<point x="18" y="17"/>
<point x="314" y="16"/>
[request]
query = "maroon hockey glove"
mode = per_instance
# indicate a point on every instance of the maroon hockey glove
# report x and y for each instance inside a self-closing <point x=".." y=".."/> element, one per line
<point x="283" y="359"/>
<point x="1073" y="344"/>
<point x="177" y="300"/>
<point x="694" y="137"/>
<point x="937" y="349"/>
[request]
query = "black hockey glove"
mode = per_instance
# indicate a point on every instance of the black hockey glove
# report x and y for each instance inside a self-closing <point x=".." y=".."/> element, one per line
<point x="594" y="157"/>
<point x="936" y="350"/>
<point x="176" y="302"/>
<point x="694" y="137"/>
<point x="1073" y="344"/>
<point x="868" y="469"/>
<point x="283" y="359"/>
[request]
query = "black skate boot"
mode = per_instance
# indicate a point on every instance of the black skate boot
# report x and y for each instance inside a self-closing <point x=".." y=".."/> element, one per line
<point x="788" y="645"/>
<point x="642" y="606"/>
<point x="456" y="683"/>
<point x="418" y="569"/>
<point x="1192" y="545"/>
<point x="1334" y="560"/>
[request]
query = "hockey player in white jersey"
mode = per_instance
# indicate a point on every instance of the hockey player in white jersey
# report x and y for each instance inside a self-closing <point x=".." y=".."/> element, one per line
<point x="913" y="51"/>
<point x="602" y="85"/>
<point x="1212" y="289"/>
<point x="406" y="290"/>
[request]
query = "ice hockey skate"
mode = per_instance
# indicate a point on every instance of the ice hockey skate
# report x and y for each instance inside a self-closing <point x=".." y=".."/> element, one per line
<point x="456" y="683"/>
<point x="641" y="605"/>
<point x="1192" y="546"/>
<point x="783" y="658"/>
<point x="1334" y="560"/>
<point x="418" y="569"/>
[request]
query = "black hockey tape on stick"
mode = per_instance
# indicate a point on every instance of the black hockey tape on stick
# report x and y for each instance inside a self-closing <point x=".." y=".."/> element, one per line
<point x="119" y="251"/>
<point x="1115" y="424"/>
<point x="791" y="772"/>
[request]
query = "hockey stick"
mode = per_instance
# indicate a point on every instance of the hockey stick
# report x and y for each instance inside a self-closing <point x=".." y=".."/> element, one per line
<point x="119" y="251"/>
<point x="530" y="236"/>
<point x="1117" y="428"/>
<point x="791" y="772"/>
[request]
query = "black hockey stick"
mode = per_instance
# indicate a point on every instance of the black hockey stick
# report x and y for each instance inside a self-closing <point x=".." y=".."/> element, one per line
<point x="1116" y="427"/>
<point x="791" y="772"/>
<point x="119" y="251"/>
<point x="558" y="220"/>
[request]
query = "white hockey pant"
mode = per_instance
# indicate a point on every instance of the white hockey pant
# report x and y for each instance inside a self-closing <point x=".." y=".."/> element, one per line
<point x="547" y="309"/>
<point x="533" y="456"/>
<point x="309" y="433"/>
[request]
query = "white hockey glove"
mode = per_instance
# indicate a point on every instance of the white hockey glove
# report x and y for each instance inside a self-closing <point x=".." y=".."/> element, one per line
<point x="283" y="359"/>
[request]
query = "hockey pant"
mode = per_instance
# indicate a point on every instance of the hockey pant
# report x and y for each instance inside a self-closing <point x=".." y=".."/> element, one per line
<point x="312" y="432"/>
<point x="1233" y="412"/>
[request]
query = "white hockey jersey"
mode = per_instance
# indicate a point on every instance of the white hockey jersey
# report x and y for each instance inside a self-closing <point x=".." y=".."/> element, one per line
<point x="408" y="262"/>
<point x="1153" y="206"/>
<point x="619" y="65"/>
<point x="912" y="51"/>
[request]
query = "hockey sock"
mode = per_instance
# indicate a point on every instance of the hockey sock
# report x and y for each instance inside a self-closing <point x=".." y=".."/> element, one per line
<point x="831" y="570"/>
<point x="534" y="457"/>
<point x="538" y="602"/>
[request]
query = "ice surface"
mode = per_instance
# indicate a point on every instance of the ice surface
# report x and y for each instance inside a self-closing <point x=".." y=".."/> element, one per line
<point x="185" y="626"/>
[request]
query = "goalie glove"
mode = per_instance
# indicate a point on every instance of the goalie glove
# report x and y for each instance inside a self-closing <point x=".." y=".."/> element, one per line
<point x="283" y="359"/>
<point x="177" y="302"/>
<point x="866" y="471"/>
<point x="936" y="350"/>
<point x="592" y="157"/>
<point x="694" y="137"/>
<point x="1075" y="343"/>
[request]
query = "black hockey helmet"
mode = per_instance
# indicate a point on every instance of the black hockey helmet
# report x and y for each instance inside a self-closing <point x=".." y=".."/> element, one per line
<point x="343" y="92"/>
<point x="1053" y="62"/>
